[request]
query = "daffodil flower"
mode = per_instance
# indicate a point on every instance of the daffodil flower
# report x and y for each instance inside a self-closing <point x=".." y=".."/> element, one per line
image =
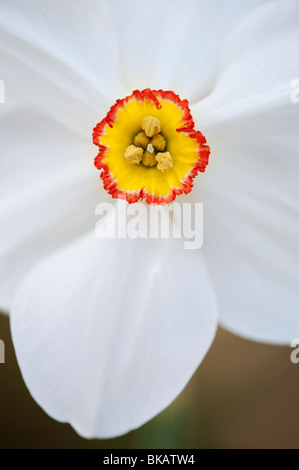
<point x="108" y="332"/>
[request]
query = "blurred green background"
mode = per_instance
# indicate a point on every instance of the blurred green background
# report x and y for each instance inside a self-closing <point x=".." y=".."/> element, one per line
<point x="244" y="395"/>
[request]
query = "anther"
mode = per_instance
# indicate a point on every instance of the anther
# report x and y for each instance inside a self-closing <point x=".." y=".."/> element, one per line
<point x="165" y="161"/>
<point x="148" y="158"/>
<point x="151" y="125"/>
<point x="158" y="142"/>
<point x="141" y="139"/>
<point x="133" y="154"/>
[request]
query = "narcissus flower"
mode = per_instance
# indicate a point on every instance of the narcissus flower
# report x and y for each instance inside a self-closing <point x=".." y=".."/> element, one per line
<point x="154" y="131"/>
<point x="108" y="332"/>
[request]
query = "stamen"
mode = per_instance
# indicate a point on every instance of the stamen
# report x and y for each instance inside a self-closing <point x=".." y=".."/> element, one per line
<point x="151" y="125"/>
<point x="159" y="142"/>
<point x="148" y="158"/>
<point x="141" y="139"/>
<point x="165" y="161"/>
<point x="133" y="154"/>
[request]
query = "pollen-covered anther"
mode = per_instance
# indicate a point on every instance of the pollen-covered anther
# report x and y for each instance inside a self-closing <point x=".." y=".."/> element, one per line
<point x="165" y="161"/>
<point x="141" y="139"/>
<point x="151" y="125"/>
<point x="133" y="154"/>
<point x="148" y="158"/>
<point x="158" y="142"/>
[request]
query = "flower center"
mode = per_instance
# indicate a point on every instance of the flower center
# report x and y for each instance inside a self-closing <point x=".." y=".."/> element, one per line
<point x="148" y="147"/>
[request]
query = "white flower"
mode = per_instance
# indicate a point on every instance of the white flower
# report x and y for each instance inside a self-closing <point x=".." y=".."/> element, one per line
<point x="107" y="333"/>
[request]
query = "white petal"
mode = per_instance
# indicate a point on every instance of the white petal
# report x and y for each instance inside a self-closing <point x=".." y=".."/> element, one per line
<point x="250" y="187"/>
<point x="173" y="44"/>
<point x="252" y="97"/>
<point x="74" y="59"/>
<point x="48" y="193"/>
<point x="251" y="226"/>
<point x="108" y="332"/>
<point x="10" y="101"/>
<point x="62" y="57"/>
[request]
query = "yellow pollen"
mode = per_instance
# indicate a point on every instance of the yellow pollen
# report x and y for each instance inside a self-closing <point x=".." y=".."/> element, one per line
<point x="158" y="142"/>
<point x="133" y="154"/>
<point x="151" y="125"/>
<point x="141" y="139"/>
<point x="165" y="161"/>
